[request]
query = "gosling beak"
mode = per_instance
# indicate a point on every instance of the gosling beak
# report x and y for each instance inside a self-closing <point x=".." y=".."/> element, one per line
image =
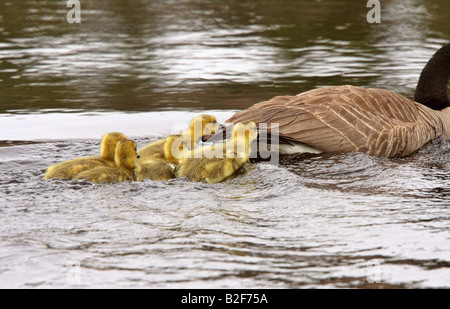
<point x="138" y="156"/>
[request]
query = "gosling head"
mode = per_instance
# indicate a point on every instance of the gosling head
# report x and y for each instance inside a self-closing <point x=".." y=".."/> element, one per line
<point x="108" y="145"/>
<point x="200" y="126"/>
<point x="126" y="154"/>
<point x="173" y="148"/>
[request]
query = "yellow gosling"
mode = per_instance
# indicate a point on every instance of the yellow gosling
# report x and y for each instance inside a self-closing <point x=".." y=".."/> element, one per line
<point x="199" y="126"/>
<point x="156" y="168"/>
<point x="124" y="158"/>
<point x="175" y="148"/>
<point x="215" y="163"/>
<point x="70" y="168"/>
<point x="153" y="169"/>
<point x="154" y="149"/>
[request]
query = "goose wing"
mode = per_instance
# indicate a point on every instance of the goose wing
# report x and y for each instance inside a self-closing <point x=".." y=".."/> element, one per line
<point x="347" y="118"/>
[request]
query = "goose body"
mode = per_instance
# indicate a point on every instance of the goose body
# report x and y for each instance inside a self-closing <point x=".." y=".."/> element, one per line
<point x="229" y="156"/>
<point x="200" y="125"/>
<point x="124" y="158"/>
<point x="69" y="169"/>
<point x="347" y="118"/>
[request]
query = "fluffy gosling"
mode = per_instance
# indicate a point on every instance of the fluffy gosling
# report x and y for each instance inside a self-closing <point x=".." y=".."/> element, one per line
<point x="215" y="163"/>
<point x="70" y="168"/>
<point x="199" y="126"/>
<point x="124" y="158"/>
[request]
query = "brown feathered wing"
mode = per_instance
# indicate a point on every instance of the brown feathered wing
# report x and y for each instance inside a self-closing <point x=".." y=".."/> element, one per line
<point x="347" y="118"/>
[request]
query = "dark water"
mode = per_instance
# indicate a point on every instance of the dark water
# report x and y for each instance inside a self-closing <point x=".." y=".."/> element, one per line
<point x="145" y="68"/>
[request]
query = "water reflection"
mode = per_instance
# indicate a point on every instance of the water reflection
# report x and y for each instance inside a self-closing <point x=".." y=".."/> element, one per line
<point x="403" y="35"/>
<point x="224" y="55"/>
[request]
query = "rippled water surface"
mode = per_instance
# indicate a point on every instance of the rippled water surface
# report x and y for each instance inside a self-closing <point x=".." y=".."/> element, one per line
<point x="146" y="68"/>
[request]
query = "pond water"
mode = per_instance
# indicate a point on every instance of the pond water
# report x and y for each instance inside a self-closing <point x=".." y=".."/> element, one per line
<point x="145" y="68"/>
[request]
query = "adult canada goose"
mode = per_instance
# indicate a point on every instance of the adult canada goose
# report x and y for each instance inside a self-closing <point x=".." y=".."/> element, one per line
<point x="348" y="118"/>
<point x="70" y="168"/>
<point x="214" y="163"/>
<point x="199" y="126"/>
<point x="124" y="158"/>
